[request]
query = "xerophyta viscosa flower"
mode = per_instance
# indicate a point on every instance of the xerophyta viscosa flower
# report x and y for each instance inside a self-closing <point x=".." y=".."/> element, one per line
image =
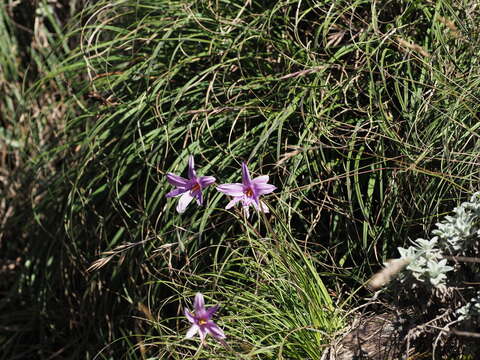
<point x="190" y="188"/>
<point x="202" y="322"/>
<point x="248" y="192"/>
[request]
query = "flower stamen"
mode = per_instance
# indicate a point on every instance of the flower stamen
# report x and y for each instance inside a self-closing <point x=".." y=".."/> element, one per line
<point x="249" y="192"/>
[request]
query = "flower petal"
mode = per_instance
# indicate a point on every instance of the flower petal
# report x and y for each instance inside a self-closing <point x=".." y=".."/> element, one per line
<point x="205" y="181"/>
<point x="176" y="192"/>
<point x="247" y="201"/>
<point x="262" y="188"/>
<point x="183" y="202"/>
<point x="262" y="207"/>
<point x="231" y="189"/>
<point x="202" y="333"/>
<point x="191" y="171"/>
<point x="192" y="331"/>
<point x="261" y="179"/>
<point x="245" y="175"/>
<point x="214" y="330"/>
<point x="199" y="303"/>
<point x="210" y="311"/>
<point x="189" y="316"/>
<point x="176" y="180"/>
<point x="246" y="210"/>
<point x="199" y="197"/>
<point x="232" y="203"/>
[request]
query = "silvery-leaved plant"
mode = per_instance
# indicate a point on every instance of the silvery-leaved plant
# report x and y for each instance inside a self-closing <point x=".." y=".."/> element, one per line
<point x="460" y="231"/>
<point x="424" y="265"/>
<point x="426" y="262"/>
<point x="472" y="308"/>
<point x="437" y="272"/>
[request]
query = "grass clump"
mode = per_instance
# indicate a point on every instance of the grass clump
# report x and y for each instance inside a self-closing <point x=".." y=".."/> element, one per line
<point x="273" y="304"/>
<point x="363" y="114"/>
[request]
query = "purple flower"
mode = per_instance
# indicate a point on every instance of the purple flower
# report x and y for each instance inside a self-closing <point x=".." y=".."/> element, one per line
<point x="202" y="320"/>
<point x="188" y="189"/>
<point x="248" y="192"/>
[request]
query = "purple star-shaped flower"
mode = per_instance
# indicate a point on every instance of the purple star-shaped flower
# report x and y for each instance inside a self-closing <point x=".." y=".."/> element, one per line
<point x="202" y="322"/>
<point x="188" y="189"/>
<point x="248" y="192"/>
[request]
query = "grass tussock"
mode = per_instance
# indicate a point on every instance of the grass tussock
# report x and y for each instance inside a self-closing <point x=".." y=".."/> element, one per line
<point x="364" y="114"/>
